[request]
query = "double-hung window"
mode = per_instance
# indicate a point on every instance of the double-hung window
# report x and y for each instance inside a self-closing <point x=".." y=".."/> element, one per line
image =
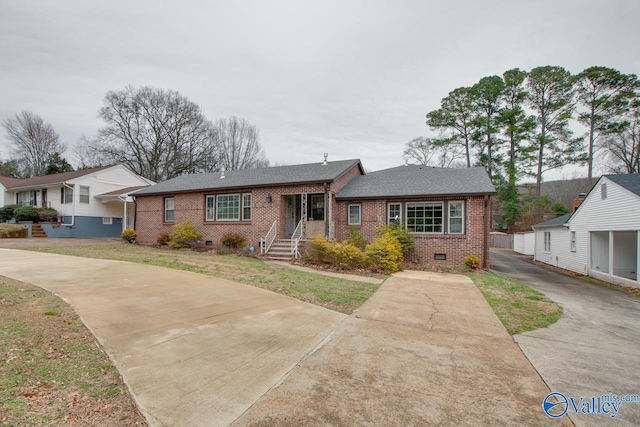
<point x="355" y="215"/>
<point x="228" y="207"/>
<point x="66" y="195"/>
<point x="169" y="209"/>
<point x="456" y="215"/>
<point x="547" y="241"/>
<point x="84" y="194"/>
<point x="573" y="241"/>
<point x="425" y="217"/>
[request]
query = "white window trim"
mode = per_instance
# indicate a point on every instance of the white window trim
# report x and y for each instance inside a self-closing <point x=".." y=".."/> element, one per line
<point x="399" y="219"/>
<point x="406" y="208"/>
<point x="88" y="195"/>
<point x="173" y="210"/>
<point x="107" y="220"/>
<point x="243" y="206"/>
<point x="359" y="206"/>
<point x="239" y="207"/>
<point x="547" y="242"/>
<point x="206" y="209"/>
<point x="572" y="241"/>
<point x="449" y="216"/>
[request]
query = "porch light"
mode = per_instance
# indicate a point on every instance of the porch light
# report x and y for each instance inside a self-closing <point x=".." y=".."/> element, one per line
<point x="269" y="198"/>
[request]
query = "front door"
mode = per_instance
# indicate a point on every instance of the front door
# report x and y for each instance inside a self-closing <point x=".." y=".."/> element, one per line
<point x="44" y="198"/>
<point x="293" y="213"/>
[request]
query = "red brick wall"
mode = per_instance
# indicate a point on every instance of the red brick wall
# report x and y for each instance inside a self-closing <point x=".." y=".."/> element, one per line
<point x="191" y="206"/>
<point x="456" y="247"/>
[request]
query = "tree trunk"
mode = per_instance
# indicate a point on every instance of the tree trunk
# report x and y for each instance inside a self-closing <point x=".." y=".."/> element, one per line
<point x="540" y="157"/>
<point x="590" y="161"/>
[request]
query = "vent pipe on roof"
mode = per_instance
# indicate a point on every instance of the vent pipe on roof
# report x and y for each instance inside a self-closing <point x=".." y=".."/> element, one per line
<point x="222" y="174"/>
<point x="325" y="159"/>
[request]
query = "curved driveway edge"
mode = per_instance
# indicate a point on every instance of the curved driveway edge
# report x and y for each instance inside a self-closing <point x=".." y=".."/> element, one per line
<point x="425" y="349"/>
<point x="193" y="349"/>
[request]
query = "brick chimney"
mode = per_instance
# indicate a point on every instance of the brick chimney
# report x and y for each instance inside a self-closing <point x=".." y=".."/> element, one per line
<point x="577" y="201"/>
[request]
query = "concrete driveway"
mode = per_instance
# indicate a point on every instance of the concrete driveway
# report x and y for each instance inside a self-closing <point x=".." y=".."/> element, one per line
<point x="194" y="350"/>
<point x="425" y="349"/>
<point x="593" y="350"/>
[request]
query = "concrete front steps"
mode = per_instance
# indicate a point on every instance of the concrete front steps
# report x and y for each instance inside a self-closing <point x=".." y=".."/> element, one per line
<point x="37" y="232"/>
<point x="280" y="250"/>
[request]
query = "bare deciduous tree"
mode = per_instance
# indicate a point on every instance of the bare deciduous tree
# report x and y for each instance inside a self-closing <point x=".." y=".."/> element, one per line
<point x="32" y="142"/>
<point x="238" y="144"/>
<point x="622" y="148"/>
<point x="86" y="155"/>
<point x="433" y="152"/>
<point x="156" y="133"/>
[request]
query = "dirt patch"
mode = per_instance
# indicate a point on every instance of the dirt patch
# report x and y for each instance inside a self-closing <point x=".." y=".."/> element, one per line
<point x="53" y="371"/>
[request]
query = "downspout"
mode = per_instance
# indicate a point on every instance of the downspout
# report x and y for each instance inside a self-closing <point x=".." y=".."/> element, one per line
<point x="73" y="205"/>
<point x="485" y="233"/>
<point x="326" y="210"/>
<point x="135" y="212"/>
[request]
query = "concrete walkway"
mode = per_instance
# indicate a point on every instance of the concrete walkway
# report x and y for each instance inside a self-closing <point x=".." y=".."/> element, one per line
<point x="194" y="350"/>
<point x="593" y="349"/>
<point x="425" y="349"/>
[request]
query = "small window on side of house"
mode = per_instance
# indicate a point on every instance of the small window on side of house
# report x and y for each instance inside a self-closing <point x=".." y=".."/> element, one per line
<point x="169" y="206"/>
<point x="573" y="241"/>
<point x="84" y="194"/>
<point x="394" y="213"/>
<point x="547" y="241"/>
<point x="354" y="214"/>
<point x="107" y="220"/>
<point x="603" y="191"/>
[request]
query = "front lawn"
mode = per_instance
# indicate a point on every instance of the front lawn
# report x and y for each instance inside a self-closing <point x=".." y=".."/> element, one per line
<point x="519" y="308"/>
<point x="330" y="292"/>
<point x="52" y="371"/>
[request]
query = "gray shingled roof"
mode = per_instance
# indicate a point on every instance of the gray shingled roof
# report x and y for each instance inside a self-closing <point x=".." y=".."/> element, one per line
<point x="416" y="180"/>
<point x="262" y="177"/>
<point x="561" y="220"/>
<point x="51" y="179"/>
<point x="630" y="181"/>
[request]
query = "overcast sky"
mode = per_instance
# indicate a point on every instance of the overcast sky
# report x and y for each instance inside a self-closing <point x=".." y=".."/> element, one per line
<point x="350" y="78"/>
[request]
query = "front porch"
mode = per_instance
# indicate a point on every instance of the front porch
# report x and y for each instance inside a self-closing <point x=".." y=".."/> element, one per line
<point x="615" y="257"/>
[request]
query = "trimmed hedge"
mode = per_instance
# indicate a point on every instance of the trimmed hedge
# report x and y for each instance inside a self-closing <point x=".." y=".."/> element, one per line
<point x="184" y="235"/>
<point x="13" y="231"/>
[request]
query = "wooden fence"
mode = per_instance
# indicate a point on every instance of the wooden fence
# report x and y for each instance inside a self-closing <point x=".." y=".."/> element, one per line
<point x="504" y="241"/>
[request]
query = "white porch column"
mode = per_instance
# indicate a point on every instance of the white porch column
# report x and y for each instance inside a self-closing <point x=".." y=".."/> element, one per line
<point x="637" y="256"/>
<point x="611" y="253"/>
<point x="124" y="218"/>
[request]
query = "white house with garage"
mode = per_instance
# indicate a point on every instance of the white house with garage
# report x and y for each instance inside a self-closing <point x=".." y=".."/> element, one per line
<point x="91" y="202"/>
<point x="602" y="237"/>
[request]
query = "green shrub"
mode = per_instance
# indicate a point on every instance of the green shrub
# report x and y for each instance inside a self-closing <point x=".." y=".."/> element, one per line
<point x="356" y="239"/>
<point x="472" y="261"/>
<point x="184" y="235"/>
<point x="26" y="213"/>
<point x="233" y="241"/>
<point x="341" y="256"/>
<point x="13" y="231"/>
<point x="399" y="232"/>
<point x="385" y="253"/>
<point x="129" y="235"/>
<point x="163" y="239"/>
<point x="7" y="213"/>
<point x="48" y="214"/>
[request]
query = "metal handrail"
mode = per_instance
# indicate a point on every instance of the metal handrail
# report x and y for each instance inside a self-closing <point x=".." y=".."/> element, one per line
<point x="295" y="239"/>
<point x="271" y="236"/>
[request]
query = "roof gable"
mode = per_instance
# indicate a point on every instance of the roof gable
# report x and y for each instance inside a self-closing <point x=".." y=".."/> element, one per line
<point x="555" y="222"/>
<point x="419" y="180"/>
<point x="629" y="181"/>
<point x="261" y="177"/>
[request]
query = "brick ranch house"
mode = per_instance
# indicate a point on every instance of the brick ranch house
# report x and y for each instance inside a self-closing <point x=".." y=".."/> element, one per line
<point x="445" y="210"/>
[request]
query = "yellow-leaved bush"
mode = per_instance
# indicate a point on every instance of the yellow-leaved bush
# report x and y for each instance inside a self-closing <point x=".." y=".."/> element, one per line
<point x="184" y="235"/>
<point x="385" y="253"/>
<point x="339" y="255"/>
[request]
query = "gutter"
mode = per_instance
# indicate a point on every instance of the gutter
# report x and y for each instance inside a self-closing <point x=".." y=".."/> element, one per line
<point x="487" y="219"/>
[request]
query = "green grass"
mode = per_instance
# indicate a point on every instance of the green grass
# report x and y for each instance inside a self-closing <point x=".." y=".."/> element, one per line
<point x="519" y="308"/>
<point x="331" y="292"/>
<point x="44" y="358"/>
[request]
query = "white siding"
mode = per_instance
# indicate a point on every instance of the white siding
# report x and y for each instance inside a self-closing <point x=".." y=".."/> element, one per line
<point x="558" y="256"/>
<point x="524" y="243"/>
<point x="620" y="211"/>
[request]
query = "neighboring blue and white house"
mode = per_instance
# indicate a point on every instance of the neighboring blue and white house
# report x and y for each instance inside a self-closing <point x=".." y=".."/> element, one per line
<point x="91" y="202"/>
<point x="602" y="237"/>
